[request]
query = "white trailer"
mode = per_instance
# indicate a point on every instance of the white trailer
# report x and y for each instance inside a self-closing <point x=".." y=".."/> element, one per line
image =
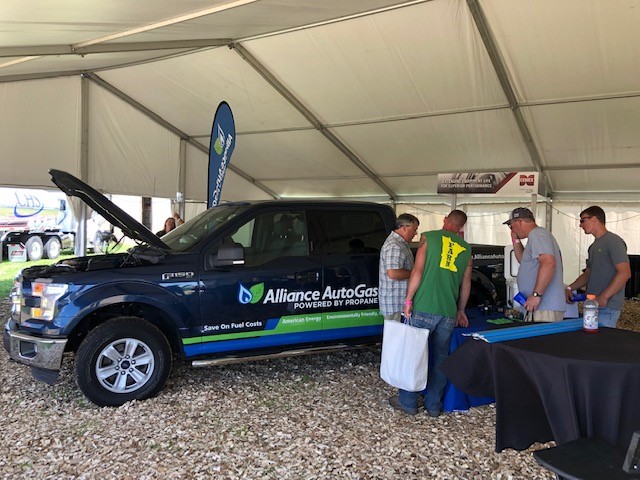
<point x="34" y="223"/>
<point x="37" y="224"/>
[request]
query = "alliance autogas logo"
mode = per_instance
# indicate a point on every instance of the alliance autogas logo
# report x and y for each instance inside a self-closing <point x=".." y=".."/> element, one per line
<point x="250" y="295"/>
<point x="329" y="297"/>
<point x="218" y="144"/>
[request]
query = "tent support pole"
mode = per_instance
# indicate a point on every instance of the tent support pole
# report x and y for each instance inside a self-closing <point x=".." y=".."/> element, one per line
<point x="534" y="203"/>
<point x="549" y="224"/>
<point x="182" y="178"/>
<point x="80" y="243"/>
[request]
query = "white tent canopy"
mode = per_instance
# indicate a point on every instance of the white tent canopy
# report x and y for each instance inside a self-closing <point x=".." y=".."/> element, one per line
<point x="365" y="98"/>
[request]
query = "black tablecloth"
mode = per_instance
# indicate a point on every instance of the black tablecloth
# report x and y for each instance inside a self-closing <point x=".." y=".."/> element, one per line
<point x="555" y="387"/>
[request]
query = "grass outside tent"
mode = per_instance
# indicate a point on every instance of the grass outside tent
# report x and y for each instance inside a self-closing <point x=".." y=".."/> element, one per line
<point x="8" y="270"/>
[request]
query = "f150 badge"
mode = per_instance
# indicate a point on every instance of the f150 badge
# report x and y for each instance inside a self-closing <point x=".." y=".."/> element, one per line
<point x="177" y="275"/>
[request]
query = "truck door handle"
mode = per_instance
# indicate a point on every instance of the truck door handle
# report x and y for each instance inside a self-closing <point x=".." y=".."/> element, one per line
<point x="307" y="277"/>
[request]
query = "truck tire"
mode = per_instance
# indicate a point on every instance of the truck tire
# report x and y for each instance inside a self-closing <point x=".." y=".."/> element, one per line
<point x="479" y="295"/>
<point x="123" y="359"/>
<point x="52" y="248"/>
<point x="34" y="248"/>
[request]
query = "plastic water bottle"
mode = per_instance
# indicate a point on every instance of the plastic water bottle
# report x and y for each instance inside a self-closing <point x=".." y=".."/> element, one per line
<point x="590" y="314"/>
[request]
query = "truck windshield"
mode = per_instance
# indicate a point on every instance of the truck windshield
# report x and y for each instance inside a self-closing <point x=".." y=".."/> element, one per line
<point x="190" y="233"/>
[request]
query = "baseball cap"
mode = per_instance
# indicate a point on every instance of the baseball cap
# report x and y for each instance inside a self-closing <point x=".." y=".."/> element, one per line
<point x="518" y="213"/>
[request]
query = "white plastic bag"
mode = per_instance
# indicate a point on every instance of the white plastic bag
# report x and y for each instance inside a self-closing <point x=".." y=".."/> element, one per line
<point x="405" y="356"/>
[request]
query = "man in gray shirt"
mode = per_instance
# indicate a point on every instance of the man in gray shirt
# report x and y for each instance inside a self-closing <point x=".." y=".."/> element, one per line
<point x="396" y="262"/>
<point x="607" y="269"/>
<point x="540" y="272"/>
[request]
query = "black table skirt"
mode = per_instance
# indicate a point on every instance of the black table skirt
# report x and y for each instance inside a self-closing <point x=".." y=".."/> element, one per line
<point x="556" y="387"/>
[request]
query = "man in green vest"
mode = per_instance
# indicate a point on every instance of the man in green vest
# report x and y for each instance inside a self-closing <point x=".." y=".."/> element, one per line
<point x="437" y="294"/>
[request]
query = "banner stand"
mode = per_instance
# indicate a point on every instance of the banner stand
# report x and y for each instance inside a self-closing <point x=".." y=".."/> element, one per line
<point x="223" y="135"/>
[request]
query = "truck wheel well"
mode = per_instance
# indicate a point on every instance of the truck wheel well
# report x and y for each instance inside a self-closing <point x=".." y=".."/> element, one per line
<point x="479" y="295"/>
<point x="150" y="313"/>
<point x="483" y="291"/>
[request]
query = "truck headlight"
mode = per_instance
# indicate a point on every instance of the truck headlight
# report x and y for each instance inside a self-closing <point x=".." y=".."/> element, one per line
<point x="16" y="299"/>
<point x="49" y="293"/>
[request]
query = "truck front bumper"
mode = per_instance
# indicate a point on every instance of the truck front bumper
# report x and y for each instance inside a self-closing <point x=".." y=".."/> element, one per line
<point x="37" y="352"/>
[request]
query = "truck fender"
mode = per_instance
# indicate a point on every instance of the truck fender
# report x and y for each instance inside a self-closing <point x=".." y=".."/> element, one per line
<point x="104" y="295"/>
<point x="484" y="281"/>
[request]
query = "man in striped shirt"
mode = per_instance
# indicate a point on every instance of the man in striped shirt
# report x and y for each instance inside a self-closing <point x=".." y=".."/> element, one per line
<point x="396" y="262"/>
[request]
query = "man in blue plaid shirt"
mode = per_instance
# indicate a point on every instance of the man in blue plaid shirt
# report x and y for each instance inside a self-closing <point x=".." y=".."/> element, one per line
<point x="396" y="262"/>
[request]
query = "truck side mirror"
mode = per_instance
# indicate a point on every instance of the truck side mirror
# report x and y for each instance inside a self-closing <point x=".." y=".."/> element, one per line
<point x="230" y="254"/>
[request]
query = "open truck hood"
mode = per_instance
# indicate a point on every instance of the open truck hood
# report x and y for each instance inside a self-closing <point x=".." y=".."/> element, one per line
<point x="74" y="187"/>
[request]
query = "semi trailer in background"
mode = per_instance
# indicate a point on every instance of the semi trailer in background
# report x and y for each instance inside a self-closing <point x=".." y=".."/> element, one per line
<point x="34" y="224"/>
<point x="37" y="224"/>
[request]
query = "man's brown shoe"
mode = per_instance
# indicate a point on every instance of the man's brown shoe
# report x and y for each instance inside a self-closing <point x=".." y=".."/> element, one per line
<point x="395" y="403"/>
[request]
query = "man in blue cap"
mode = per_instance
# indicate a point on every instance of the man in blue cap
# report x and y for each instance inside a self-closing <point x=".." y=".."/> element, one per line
<point x="540" y="272"/>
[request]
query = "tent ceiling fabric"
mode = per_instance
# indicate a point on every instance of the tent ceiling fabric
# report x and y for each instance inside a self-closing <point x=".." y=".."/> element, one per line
<point x="367" y="99"/>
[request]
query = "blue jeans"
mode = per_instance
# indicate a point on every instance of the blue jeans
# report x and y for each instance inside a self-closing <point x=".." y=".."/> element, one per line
<point x="440" y="330"/>
<point x="608" y="317"/>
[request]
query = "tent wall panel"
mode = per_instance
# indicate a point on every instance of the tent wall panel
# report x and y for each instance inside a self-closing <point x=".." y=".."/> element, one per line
<point x="583" y="134"/>
<point x="186" y="90"/>
<point x="310" y="188"/>
<point x="424" y="58"/>
<point x="415" y="185"/>
<point x="197" y="168"/>
<point x="569" y="48"/>
<point x="291" y="155"/>
<point x="128" y="152"/>
<point x="584" y="182"/>
<point x="39" y="130"/>
<point x="460" y="142"/>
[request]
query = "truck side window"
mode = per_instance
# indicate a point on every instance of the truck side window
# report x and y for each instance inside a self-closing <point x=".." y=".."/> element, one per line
<point x="272" y="235"/>
<point x="244" y="234"/>
<point x="354" y="232"/>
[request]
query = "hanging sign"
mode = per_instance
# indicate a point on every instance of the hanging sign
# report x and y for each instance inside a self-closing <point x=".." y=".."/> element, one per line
<point x="506" y="184"/>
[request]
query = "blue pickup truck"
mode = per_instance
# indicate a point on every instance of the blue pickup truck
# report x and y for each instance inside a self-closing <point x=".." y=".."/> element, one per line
<point x="239" y="281"/>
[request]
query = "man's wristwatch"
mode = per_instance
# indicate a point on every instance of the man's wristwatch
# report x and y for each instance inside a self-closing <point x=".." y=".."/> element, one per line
<point x="536" y="294"/>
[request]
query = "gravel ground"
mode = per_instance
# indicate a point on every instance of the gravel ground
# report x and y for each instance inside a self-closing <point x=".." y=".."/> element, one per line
<point x="315" y="417"/>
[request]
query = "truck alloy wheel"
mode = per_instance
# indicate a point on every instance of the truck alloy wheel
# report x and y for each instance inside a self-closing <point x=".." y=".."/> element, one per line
<point x="125" y="358"/>
<point x="52" y="248"/>
<point x="34" y="248"/>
